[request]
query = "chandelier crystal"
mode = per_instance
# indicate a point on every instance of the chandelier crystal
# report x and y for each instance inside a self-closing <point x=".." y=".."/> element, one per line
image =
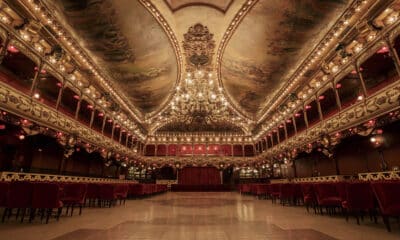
<point x="199" y="99"/>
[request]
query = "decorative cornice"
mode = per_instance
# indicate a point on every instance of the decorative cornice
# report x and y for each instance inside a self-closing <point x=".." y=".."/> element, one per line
<point x="199" y="138"/>
<point x="219" y="162"/>
<point x="175" y="44"/>
<point x="382" y="102"/>
<point x="39" y="177"/>
<point x="336" y="66"/>
<point x="46" y="17"/>
<point x="22" y="105"/>
<point x="237" y="19"/>
<point x="56" y="69"/>
<point x="350" y="16"/>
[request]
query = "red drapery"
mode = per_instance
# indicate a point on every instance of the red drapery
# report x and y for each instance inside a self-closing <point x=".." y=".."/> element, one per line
<point x="199" y="175"/>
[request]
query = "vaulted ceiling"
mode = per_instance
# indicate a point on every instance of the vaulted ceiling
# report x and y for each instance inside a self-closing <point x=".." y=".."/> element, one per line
<point x="259" y="44"/>
<point x="128" y="43"/>
<point x="270" y="43"/>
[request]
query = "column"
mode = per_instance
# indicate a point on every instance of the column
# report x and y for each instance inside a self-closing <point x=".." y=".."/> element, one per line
<point x="3" y="51"/>
<point x="78" y="107"/>
<point x="60" y="93"/>
<point x="364" y="88"/>
<point x="393" y="53"/>
<point x="305" y="117"/>
<point x="277" y="135"/>
<point x="112" y="130"/>
<point x="92" y="118"/>
<point x="339" y="104"/>
<point x="294" y="124"/>
<point x="285" y="129"/>
<point x="120" y="135"/>
<point x="35" y="78"/>
<point x="126" y="139"/>
<point x="104" y="124"/>
<point x="319" y="108"/>
<point x="243" y="150"/>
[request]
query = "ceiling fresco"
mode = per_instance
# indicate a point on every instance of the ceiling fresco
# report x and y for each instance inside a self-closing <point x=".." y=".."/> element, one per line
<point x="128" y="43"/>
<point x="268" y="45"/>
<point x="221" y="5"/>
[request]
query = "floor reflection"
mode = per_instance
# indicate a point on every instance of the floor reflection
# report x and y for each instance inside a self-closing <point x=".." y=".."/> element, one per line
<point x="211" y="216"/>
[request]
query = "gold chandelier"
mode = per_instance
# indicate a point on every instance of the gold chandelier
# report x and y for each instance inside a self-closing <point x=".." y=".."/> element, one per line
<point x="199" y="99"/>
<point x="199" y="103"/>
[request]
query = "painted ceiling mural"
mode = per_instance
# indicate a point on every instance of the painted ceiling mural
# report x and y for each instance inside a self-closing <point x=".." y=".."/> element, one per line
<point x="269" y="43"/>
<point x="128" y="43"/>
<point x="221" y="5"/>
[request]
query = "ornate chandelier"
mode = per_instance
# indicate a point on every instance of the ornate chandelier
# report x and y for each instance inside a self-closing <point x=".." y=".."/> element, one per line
<point x="199" y="103"/>
<point x="199" y="99"/>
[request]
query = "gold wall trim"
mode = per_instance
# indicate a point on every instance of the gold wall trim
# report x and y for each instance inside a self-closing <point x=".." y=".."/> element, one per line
<point x="8" y="31"/>
<point x="382" y="102"/>
<point x="318" y="53"/>
<point x="233" y="25"/>
<point x="383" y="37"/>
<point x="101" y="78"/>
<point x="21" y="176"/>
<point x="175" y="44"/>
<point x="219" y="162"/>
<point x="22" y="105"/>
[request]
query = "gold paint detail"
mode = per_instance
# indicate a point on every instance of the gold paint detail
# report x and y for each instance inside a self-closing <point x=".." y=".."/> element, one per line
<point x="22" y="105"/>
<point x="380" y="103"/>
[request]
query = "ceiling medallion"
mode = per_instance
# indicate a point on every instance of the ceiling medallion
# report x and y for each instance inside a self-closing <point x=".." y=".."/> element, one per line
<point x="199" y="47"/>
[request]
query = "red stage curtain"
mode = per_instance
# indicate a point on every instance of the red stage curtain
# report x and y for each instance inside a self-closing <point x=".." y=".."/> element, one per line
<point x="199" y="175"/>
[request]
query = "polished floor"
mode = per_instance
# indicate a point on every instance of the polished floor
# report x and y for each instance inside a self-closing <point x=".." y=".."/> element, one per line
<point x="216" y="216"/>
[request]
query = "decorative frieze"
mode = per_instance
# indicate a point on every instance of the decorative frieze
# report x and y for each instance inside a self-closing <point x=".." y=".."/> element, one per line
<point x="376" y="176"/>
<point x="178" y="162"/>
<point x="22" y="105"/>
<point x="38" y="177"/>
<point x="384" y="101"/>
